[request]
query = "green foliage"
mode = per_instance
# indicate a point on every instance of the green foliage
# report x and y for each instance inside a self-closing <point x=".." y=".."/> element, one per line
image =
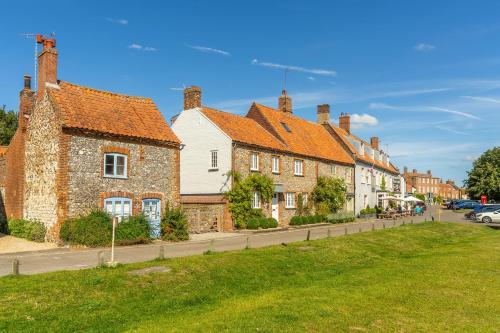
<point x="368" y="211"/>
<point x="329" y="195"/>
<point x="134" y="230"/>
<point x="438" y="200"/>
<point x="382" y="183"/>
<point x="261" y="222"/>
<point x="341" y="217"/>
<point x="29" y="229"/>
<point x="421" y="197"/>
<point x="174" y="224"/>
<point x="240" y="196"/>
<point x="8" y="125"/>
<point x="91" y="230"/>
<point x="301" y="220"/>
<point x="302" y="209"/>
<point x="484" y="178"/>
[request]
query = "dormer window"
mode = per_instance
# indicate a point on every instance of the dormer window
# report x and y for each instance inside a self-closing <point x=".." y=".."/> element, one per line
<point x="285" y="126"/>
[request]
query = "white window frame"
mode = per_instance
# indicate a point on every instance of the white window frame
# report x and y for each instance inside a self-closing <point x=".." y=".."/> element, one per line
<point x="214" y="160"/>
<point x="115" y="159"/>
<point x="256" y="200"/>
<point x="289" y="200"/>
<point x="298" y="167"/>
<point x="122" y="201"/>
<point x="275" y="164"/>
<point x="254" y="162"/>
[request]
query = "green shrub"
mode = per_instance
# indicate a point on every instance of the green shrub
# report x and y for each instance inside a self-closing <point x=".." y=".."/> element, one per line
<point x="272" y="223"/>
<point x="340" y="218"/>
<point x="261" y="222"/>
<point x="29" y="229"/>
<point x="92" y="230"/>
<point x="301" y="220"/>
<point x="253" y="223"/>
<point x="134" y="230"/>
<point x="174" y="224"/>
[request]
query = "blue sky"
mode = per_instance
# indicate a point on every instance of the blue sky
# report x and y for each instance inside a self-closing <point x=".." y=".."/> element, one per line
<point x="424" y="76"/>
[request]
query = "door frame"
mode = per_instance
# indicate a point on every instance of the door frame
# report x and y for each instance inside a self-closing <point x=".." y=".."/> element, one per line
<point x="277" y="205"/>
<point x="158" y="201"/>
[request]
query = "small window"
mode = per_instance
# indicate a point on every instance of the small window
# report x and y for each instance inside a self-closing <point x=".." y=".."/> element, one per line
<point x="285" y="126"/>
<point x="333" y="169"/>
<point x="363" y="176"/>
<point x="118" y="207"/>
<point x="115" y="165"/>
<point x="213" y="160"/>
<point x="256" y="200"/>
<point x="255" y="162"/>
<point x="275" y="164"/>
<point x="290" y="200"/>
<point x="298" y="168"/>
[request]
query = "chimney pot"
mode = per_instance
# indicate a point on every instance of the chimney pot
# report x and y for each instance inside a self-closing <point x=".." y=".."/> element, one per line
<point x="192" y="97"/>
<point x="27" y="82"/>
<point x="374" y="142"/>
<point x="47" y="63"/>
<point x="345" y="122"/>
<point x="323" y="113"/>
<point x="405" y="170"/>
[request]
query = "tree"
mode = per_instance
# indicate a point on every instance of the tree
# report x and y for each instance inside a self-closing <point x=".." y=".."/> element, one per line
<point x="330" y="192"/>
<point x="8" y="125"/>
<point x="484" y="178"/>
<point x="382" y="183"/>
<point x="420" y="196"/>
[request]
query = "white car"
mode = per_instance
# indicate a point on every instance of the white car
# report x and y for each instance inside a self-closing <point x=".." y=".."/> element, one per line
<point x="488" y="217"/>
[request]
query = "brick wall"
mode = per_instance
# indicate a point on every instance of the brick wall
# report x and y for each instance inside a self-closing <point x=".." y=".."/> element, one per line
<point x="204" y="217"/>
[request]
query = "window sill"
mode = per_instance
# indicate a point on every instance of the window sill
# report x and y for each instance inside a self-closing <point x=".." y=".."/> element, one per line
<point x="213" y="169"/>
<point x="290" y="207"/>
<point x="254" y="170"/>
<point x="114" y="177"/>
<point x="298" y="175"/>
<point x="275" y="173"/>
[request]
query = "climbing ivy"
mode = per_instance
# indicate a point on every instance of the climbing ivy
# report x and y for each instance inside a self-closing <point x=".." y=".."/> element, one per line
<point x="240" y="196"/>
<point x="329" y="195"/>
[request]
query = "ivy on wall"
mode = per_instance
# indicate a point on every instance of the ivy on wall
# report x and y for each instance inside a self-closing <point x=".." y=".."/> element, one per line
<point x="329" y="195"/>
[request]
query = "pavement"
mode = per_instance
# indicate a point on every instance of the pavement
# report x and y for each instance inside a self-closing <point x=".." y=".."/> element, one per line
<point x="10" y="244"/>
<point x="34" y="262"/>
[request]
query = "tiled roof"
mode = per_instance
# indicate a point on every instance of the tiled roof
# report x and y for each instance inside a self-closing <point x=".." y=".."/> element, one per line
<point x="3" y="150"/>
<point x="110" y="113"/>
<point x="243" y="129"/>
<point x="299" y="135"/>
<point x="343" y="135"/>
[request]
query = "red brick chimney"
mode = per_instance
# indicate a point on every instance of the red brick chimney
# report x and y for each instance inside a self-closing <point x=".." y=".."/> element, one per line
<point x="192" y="97"/>
<point x="405" y="170"/>
<point x="285" y="102"/>
<point x="414" y="171"/>
<point x="323" y="113"/>
<point x="47" y="63"/>
<point x="345" y="122"/>
<point x="26" y="103"/>
<point x="374" y="142"/>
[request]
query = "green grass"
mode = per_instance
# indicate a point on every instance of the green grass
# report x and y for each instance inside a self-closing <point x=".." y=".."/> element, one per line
<point x="432" y="277"/>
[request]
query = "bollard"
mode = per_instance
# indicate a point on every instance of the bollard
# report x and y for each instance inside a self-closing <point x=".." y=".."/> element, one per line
<point x="100" y="259"/>
<point x="161" y="255"/>
<point x="383" y="225"/>
<point x="373" y="226"/>
<point x="248" y="242"/>
<point x="411" y="222"/>
<point x="394" y="223"/>
<point x="403" y="222"/>
<point x="328" y="233"/>
<point x="308" y="235"/>
<point x="345" y="230"/>
<point x="359" y="230"/>
<point x="15" y="267"/>
<point x="212" y="245"/>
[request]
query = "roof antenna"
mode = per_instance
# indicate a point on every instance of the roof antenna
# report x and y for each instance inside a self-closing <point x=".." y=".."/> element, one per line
<point x="32" y="35"/>
<point x="284" y="79"/>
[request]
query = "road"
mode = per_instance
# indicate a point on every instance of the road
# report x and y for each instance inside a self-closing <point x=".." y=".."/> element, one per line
<point x="71" y="259"/>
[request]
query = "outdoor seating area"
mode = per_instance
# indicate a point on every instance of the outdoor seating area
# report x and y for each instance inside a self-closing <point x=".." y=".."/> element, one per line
<point x="409" y="206"/>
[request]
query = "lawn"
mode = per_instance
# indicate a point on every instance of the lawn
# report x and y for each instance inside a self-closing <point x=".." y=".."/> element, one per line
<point x="432" y="277"/>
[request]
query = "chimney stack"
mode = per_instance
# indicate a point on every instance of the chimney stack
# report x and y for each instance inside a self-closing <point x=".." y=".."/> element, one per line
<point x="26" y="103"/>
<point x="345" y="122"/>
<point x="374" y="142"/>
<point x="405" y="170"/>
<point x="414" y="170"/>
<point x="429" y="172"/>
<point x="285" y="102"/>
<point x="323" y="113"/>
<point x="192" y="97"/>
<point x="47" y="63"/>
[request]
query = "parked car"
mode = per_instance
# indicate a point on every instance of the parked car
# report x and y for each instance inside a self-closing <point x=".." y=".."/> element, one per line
<point x="489" y="217"/>
<point x="481" y="209"/>
<point x="469" y="204"/>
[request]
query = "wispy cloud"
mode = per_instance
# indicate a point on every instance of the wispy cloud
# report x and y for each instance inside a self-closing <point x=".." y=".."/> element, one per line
<point x="451" y="130"/>
<point x="317" y="71"/>
<point x="470" y="158"/>
<point x="424" y="47"/>
<point x="311" y="78"/>
<point x="140" y="47"/>
<point x="206" y="49"/>
<point x="117" y="21"/>
<point x="482" y="99"/>
<point x="362" y="120"/>
<point x="384" y="106"/>
<point x="176" y="88"/>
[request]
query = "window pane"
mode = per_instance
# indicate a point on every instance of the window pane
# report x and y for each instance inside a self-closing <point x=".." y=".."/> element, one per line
<point x="109" y="165"/>
<point x="120" y="165"/>
<point x="108" y="208"/>
<point x="127" y="208"/>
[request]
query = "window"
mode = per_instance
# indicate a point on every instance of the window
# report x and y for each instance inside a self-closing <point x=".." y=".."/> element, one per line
<point x="115" y="165"/>
<point x="305" y="198"/>
<point x="285" y="126"/>
<point x="363" y="177"/>
<point x="298" y="167"/>
<point x="213" y="160"/>
<point x="255" y="162"/>
<point x="275" y="164"/>
<point x="348" y="176"/>
<point x="333" y="169"/>
<point x="118" y="207"/>
<point x="289" y="200"/>
<point x="256" y="200"/>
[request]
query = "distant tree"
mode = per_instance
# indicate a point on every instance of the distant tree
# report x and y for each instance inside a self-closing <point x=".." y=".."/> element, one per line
<point x="484" y="178"/>
<point x="8" y="125"/>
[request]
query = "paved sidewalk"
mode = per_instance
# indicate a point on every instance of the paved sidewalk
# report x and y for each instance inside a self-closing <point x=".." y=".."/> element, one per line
<point x="67" y="259"/>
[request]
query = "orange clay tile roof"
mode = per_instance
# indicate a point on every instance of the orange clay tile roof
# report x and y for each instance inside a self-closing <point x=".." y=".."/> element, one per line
<point x="343" y="136"/>
<point x="243" y="129"/>
<point x="3" y="150"/>
<point x="305" y="137"/>
<point x="110" y="113"/>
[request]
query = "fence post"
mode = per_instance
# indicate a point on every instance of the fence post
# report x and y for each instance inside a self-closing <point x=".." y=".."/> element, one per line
<point x="308" y="235"/>
<point x="15" y="267"/>
<point x="100" y="259"/>
<point x="161" y="255"/>
<point x="248" y="242"/>
<point x="373" y="226"/>
<point x="328" y="233"/>
<point x="383" y="225"/>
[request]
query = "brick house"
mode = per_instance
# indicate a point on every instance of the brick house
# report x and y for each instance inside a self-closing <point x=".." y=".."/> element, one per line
<point x="425" y="183"/>
<point x="294" y="152"/>
<point x="373" y="166"/>
<point x="79" y="148"/>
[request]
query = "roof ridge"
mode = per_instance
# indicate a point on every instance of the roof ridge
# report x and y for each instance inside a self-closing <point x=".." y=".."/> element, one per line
<point x="105" y="92"/>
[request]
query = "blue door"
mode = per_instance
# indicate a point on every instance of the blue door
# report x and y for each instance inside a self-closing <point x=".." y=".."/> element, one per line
<point x="151" y="210"/>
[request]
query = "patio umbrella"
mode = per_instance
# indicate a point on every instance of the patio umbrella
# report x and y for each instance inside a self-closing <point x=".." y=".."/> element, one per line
<point x="412" y="199"/>
<point x="392" y="198"/>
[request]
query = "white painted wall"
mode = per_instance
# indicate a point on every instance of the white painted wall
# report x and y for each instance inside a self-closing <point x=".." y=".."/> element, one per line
<point x="200" y="136"/>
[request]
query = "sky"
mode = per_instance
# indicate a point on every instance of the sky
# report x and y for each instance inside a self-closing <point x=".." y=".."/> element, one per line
<point x="423" y="76"/>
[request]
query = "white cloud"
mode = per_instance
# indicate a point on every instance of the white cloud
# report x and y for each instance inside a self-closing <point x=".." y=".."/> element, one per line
<point x="451" y="130"/>
<point x="205" y="49"/>
<point x="317" y="71"/>
<point x="150" y="49"/>
<point x="176" y="89"/>
<point x="424" y="47"/>
<point x="482" y="99"/>
<point x="135" y="46"/>
<point x="362" y="120"/>
<point x="139" y="47"/>
<point x="117" y="21"/>
<point x="470" y="158"/>
<point x="311" y="78"/>
<point x="383" y="106"/>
